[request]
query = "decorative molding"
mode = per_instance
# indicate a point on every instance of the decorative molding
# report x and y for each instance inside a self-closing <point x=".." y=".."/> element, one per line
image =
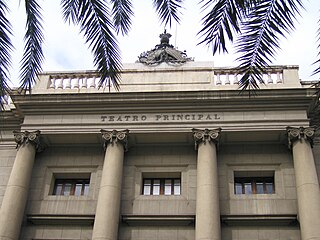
<point x="295" y="134"/>
<point x="26" y="137"/>
<point x="206" y="135"/>
<point x="111" y="137"/>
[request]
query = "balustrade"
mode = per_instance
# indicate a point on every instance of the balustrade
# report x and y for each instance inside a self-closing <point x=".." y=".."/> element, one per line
<point x="173" y="79"/>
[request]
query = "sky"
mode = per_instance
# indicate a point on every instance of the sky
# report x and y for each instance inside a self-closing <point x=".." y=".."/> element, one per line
<point x="65" y="49"/>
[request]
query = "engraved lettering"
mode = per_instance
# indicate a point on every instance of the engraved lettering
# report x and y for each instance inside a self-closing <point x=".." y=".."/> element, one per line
<point x="165" y="117"/>
<point x="143" y="117"/>
<point x="158" y="117"/>
<point x="208" y="117"/>
<point x="216" y="116"/>
<point x="111" y="118"/>
<point x="180" y="117"/>
<point x="119" y="119"/>
<point x="135" y="118"/>
<point x="200" y="116"/>
<point x="187" y="117"/>
<point x="103" y="118"/>
<point x="127" y="118"/>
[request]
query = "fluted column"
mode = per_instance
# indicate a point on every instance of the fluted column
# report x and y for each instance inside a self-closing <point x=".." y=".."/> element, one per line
<point x="15" y="197"/>
<point x="307" y="184"/>
<point x="207" y="203"/>
<point x="108" y="206"/>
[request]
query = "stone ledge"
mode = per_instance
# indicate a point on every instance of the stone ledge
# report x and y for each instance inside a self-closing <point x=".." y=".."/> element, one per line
<point x="48" y="219"/>
<point x="256" y="220"/>
<point x="159" y="220"/>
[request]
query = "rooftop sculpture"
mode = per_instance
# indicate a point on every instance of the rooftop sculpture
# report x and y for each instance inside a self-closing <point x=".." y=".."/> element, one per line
<point x="164" y="52"/>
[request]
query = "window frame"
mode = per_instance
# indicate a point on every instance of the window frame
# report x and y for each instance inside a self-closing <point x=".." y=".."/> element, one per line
<point x="162" y="186"/>
<point x="85" y="185"/>
<point x="253" y="181"/>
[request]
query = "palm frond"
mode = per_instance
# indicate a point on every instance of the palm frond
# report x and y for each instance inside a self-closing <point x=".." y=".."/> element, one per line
<point x="122" y="13"/>
<point x="98" y="31"/>
<point x="317" y="70"/>
<point x="70" y="10"/>
<point x="222" y="19"/>
<point x="33" y="55"/>
<point x="5" y="52"/>
<point x="168" y="10"/>
<point x="259" y="40"/>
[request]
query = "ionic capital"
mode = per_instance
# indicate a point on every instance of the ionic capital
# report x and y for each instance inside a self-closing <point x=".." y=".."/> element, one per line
<point x="206" y="135"/>
<point x="295" y="134"/>
<point x="27" y="137"/>
<point x="115" y="136"/>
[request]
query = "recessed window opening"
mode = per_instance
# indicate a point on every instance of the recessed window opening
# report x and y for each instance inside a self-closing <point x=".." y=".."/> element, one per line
<point x="71" y="184"/>
<point x="254" y="182"/>
<point x="161" y="184"/>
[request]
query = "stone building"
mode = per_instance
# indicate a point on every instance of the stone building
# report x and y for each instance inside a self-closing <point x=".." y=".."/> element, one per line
<point x="177" y="153"/>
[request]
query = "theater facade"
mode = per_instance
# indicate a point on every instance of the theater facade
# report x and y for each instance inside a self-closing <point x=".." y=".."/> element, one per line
<point x="178" y="153"/>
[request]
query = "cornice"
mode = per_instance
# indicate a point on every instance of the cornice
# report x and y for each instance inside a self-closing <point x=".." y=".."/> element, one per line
<point x="226" y="100"/>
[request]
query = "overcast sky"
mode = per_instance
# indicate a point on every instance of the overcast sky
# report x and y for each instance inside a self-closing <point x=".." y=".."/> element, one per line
<point x="64" y="47"/>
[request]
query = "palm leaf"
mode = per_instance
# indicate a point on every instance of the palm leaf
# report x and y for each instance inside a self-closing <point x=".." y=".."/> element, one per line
<point x="266" y="21"/>
<point x="70" y="10"/>
<point x="98" y="31"/>
<point x="317" y="70"/>
<point x="168" y="10"/>
<point x="5" y="53"/>
<point x="222" y="19"/>
<point x="122" y="13"/>
<point x="33" y="55"/>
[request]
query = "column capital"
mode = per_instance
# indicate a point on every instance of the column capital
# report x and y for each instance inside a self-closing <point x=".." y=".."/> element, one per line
<point x="206" y="135"/>
<point x="26" y="137"/>
<point x="115" y="136"/>
<point x="298" y="133"/>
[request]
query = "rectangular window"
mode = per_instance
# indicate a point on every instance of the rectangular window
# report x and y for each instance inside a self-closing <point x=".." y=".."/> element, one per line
<point x="254" y="185"/>
<point x="73" y="187"/>
<point x="161" y="186"/>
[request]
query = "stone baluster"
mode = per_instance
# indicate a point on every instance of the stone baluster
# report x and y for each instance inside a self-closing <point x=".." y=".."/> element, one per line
<point x="227" y="79"/>
<point x="60" y="85"/>
<point x="279" y="80"/>
<point x="68" y="84"/>
<point x="76" y="83"/>
<point x="52" y="83"/>
<point x="307" y="184"/>
<point x="236" y="81"/>
<point x="15" y="197"/>
<point x="270" y="80"/>
<point x="218" y="82"/>
<point x="108" y="206"/>
<point x="84" y="82"/>
<point x="207" y="203"/>
<point x="93" y="82"/>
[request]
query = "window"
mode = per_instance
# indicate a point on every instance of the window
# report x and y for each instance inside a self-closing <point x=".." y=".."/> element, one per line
<point x="254" y="185"/>
<point x="75" y="187"/>
<point x="161" y="186"/>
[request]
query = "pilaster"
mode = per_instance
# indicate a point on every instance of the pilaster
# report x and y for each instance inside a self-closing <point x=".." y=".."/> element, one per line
<point x="307" y="184"/>
<point x="207" y="203"/>
<point x="108" y="206"/>
<point x="15" y="197"/>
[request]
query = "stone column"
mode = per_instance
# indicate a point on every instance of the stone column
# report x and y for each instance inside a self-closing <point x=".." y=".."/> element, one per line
<point x="15" y="197"/>
<point x="108" y="206"/>
<point x="207" y="203"/>
<point x="307" y="184"/>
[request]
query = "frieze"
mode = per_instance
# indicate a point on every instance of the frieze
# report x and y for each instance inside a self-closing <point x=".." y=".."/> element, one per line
<point x="172" y="117"/>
